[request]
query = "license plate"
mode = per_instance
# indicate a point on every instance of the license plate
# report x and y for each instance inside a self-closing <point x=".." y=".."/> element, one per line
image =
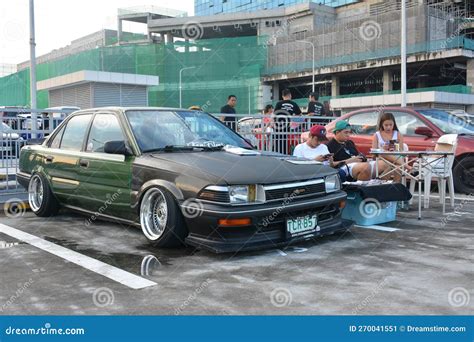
<point x="302" y="225"/>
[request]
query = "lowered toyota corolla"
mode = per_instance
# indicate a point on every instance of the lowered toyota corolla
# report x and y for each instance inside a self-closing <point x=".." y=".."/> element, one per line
<point x="183" y="177"/>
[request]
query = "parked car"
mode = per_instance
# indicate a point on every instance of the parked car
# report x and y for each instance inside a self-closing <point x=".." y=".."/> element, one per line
<point x="421" y="128"/>
<point x="463" y="115"/>
<point x="11" y="142"/>
<point x="182" y="176"/>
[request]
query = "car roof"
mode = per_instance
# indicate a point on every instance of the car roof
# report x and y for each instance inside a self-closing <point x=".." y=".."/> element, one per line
<point x="123" y="109"/>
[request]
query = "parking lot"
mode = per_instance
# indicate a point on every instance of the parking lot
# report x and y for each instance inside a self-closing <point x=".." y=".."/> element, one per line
<point x="406" y="267"/>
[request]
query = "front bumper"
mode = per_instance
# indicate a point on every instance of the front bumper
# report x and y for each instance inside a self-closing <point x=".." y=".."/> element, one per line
<point x="268" y="224"/>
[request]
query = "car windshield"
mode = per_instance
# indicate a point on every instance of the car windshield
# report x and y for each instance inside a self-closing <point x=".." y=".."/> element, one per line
<point x="157" y="130"/>
<point x="448" y="123"/>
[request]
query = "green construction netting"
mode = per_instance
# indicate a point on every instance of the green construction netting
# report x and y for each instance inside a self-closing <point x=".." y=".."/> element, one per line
<point x="220" y="67"/>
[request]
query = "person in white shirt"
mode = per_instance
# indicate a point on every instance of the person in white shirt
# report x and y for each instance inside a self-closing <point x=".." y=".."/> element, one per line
<point x="314" y="148"/>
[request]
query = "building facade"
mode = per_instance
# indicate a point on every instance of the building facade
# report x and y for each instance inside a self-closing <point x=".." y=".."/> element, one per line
<point x="210" y="7"/>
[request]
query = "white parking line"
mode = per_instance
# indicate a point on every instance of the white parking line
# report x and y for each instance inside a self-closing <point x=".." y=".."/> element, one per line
<point x="116" y="274"/>
<point x="382" y="228"/>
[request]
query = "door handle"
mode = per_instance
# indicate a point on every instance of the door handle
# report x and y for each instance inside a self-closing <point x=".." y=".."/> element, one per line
<point x="49" y="159"/>
<point x="83" y="163"/>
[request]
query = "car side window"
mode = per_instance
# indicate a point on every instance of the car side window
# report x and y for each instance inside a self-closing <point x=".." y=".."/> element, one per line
<point x="105" y="127"/>
<point x="57" y="139"/>
<point x="74" y="132"/>
<point x="407" y="123"/>
<point x="364" y="123"/>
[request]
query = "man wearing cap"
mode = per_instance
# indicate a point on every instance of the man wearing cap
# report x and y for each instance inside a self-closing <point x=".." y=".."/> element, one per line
<point x="346" y="155"/>
<point x="314" y="147"/>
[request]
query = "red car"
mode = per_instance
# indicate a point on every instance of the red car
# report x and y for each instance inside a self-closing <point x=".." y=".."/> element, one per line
<point x="421" y="128"/>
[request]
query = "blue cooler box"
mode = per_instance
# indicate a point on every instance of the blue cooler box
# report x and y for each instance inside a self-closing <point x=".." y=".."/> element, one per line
<point x="374" y="204"/>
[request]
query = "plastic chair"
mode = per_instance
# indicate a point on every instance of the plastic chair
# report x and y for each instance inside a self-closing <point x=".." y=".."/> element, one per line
<point x="440" y="170"/>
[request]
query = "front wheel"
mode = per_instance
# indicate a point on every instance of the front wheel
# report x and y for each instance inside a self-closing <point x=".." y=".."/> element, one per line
<point x="463" y="175"/>
<point x="40" y="197"/>
<point x="161" y="220"/>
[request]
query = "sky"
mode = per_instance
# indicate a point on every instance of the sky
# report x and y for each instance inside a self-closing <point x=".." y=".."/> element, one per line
<point x="58" y="22"/>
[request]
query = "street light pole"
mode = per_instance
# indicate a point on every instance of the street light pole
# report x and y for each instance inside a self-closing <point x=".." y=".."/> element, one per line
<point x="33" y="102"/>
<point x="314" y="50"/>
<point x="180" y="84"/>
<point x="403" y="54"/>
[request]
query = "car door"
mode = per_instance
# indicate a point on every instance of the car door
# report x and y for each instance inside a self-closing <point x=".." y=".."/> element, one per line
<point x="61" y="158"/>
<point x="364" y="125"/>
<point x="407" y="124"/>
<point x="105" y="178"/>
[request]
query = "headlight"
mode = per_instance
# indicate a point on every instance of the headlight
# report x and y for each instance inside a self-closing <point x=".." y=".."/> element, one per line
<point x="240" y="194"/>
<point x="235" y="194"/>
<point x="332" y="183"/>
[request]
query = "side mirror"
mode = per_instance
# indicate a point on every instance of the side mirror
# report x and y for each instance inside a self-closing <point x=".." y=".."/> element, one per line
<point x="426" y="131"/>
<point x="117" y="147"/>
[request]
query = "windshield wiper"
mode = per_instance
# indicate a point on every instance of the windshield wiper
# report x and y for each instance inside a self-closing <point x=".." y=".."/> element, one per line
<point x="169" y="148"/>
<point x="210" y="148"/>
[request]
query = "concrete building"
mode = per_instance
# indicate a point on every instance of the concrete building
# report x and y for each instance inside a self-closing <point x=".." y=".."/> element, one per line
<point x="356" y="49"/>
<point x="210" y="7"/>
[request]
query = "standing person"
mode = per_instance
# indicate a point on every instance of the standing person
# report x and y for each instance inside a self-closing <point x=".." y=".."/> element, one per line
<point x="267" y="127"/>
<point x="229" y="108"/>
<point x="327" y="109"/>
<point x="284" y="108"/>
<point x="315" y="108"/>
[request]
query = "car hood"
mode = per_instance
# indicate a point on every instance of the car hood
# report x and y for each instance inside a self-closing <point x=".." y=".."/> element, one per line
<point x="227" y="168"/>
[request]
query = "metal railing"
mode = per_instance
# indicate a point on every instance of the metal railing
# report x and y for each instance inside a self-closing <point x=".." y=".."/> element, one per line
<point x="273" y="133"/>
<point x="17" y="129"/>
<point x="265" y="132"/>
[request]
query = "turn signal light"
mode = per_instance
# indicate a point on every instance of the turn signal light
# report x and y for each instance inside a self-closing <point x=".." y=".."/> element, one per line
<point x="235" y="222"/>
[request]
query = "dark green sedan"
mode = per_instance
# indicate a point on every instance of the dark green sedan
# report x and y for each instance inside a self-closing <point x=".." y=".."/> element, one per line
<point x="183" y="177"/>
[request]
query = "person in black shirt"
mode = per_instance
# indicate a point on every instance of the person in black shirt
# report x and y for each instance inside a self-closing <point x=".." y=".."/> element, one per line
<point x="315" y="108"/>
<point x="229" y="108"/>
<point x="283" y="109"/>
<point x="347" y="156"/>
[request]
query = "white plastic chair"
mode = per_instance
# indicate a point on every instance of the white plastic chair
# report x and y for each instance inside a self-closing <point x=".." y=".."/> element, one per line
<point x="440" y="170"/>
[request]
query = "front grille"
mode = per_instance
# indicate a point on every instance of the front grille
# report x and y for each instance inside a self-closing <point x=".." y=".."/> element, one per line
<point x="288" y="191"/>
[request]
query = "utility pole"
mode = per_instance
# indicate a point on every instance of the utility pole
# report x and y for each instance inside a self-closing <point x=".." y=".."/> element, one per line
<point x="404" y="53"/>
<point x="33" y="102"/>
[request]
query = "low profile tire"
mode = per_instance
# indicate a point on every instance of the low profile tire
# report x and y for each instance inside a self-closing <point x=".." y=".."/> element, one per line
<point x="161" y="220"/>
<point x="40" y="197"/>
<point x="463" y="175"/>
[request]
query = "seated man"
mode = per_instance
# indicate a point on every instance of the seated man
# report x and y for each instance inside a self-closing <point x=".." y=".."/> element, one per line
<point x="315" y="149"/>
<point x="348" y="158"/>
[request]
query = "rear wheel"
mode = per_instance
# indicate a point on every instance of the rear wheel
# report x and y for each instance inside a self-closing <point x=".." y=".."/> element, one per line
<point x="161" y="220"/>
<point x="463" y="174"/>
<point x="40" y="197"/>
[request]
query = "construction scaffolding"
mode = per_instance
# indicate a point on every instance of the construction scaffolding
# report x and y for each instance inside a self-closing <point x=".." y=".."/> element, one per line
<point x="220" y="67"/>
<point x="373" y="35"/>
